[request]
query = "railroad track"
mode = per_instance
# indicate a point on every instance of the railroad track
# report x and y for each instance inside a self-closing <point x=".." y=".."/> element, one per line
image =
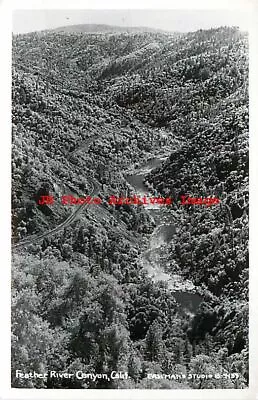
<point x="58" y="228"/>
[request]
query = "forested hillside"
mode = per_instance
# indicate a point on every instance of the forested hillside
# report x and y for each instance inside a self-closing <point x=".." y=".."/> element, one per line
<point x="86" y="108"/>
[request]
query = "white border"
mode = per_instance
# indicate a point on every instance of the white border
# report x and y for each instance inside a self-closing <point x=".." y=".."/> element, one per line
<point x="5" y="160"/>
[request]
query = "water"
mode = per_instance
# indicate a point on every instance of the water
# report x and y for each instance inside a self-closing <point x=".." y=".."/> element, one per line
<point x="153" y="259"/>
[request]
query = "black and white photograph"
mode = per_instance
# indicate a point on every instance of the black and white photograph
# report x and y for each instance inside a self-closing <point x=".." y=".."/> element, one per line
<point x="130" y="199"/>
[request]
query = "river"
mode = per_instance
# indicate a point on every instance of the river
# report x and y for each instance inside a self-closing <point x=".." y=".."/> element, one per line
<point x="154" y="258"/>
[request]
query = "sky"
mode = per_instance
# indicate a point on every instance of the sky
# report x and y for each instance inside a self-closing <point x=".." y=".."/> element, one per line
<point x="170" y="20"/>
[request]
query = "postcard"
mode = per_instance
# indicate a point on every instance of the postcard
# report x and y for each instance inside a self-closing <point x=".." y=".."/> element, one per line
<point x="129" y="264"/>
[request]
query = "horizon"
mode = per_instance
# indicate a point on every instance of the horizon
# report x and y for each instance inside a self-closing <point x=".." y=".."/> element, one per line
<point x="28" y="21"/>
<point x="127" y="27"/>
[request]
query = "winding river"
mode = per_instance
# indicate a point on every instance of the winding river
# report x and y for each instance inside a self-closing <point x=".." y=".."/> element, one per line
<point x="153" y="258"/>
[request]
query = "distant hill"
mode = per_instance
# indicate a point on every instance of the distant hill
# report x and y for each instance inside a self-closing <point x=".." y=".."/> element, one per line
<point x="103" y="28"/>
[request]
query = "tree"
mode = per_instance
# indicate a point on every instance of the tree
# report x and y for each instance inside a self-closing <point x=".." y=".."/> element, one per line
<point x="154" y="342"/>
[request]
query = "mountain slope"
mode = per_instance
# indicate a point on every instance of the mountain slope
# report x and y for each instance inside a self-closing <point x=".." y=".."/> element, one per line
<point x="87" y="107"/>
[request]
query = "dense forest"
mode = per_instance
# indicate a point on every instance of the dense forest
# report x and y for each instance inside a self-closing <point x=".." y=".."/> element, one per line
<point x="86" y="108"/>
